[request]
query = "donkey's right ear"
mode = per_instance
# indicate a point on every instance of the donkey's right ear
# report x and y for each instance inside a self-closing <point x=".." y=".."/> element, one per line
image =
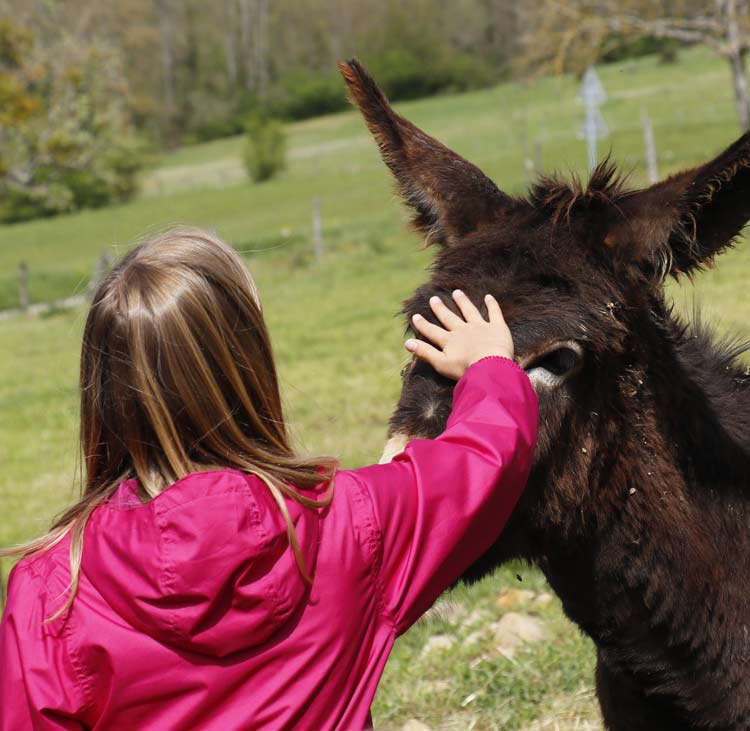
<point x="680" y="225"/>
<point x="450" y="196"/>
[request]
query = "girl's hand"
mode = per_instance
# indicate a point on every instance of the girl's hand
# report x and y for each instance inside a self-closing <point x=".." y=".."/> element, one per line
<point x="461" y="342"/>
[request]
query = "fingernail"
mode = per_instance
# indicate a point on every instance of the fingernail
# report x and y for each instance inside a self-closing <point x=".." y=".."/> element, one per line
<point x="489" y="297"/>
<point x="411" y="345"/>
<point x="434" y="300"/>
<point x="416" y="317"/>
<point x="457" y="293"/>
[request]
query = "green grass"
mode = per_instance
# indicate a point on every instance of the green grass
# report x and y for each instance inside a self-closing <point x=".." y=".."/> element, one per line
<point x="336" y="338"/>
<point x="472" y="684"/>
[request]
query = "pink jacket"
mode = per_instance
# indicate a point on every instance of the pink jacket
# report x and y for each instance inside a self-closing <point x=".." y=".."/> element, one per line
<point x="191" y="612"/>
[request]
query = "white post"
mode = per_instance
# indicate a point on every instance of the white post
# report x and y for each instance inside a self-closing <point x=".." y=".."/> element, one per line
<point x="23" y="285"/>
<point x="103" y="265"/>
<point x="592" y="96"/>
<point x="317" y="228"/>
<point x="648" y="138"/>
<point x="590" y="134"/>
<point x="538" y="157"/>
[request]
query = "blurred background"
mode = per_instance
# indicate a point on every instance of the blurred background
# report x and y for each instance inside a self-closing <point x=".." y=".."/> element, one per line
<point x="120" y="117"/>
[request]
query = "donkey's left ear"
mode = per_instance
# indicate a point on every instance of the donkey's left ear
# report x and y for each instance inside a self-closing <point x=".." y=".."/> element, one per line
<point x="679" y="225"/>
<point x="450" y="196"/>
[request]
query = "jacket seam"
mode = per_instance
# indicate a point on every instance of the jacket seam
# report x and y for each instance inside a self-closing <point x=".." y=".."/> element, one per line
<point x="83" y="679"/>
<point x="374" y="547"/>
<point x="273" y="589"/>
<point x="170" y="575"/>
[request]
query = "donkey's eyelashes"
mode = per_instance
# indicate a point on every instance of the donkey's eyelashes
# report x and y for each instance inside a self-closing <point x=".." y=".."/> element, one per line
<point x="555" y="365"/>
<point x="558" y="362"/>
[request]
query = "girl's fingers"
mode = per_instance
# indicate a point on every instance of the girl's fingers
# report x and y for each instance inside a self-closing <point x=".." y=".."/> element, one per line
<point x="468" y="310"/>
<point x="493" y="309"/>
<point x="424" y="351"/>
<point x="432" y="332"/>
<point x="449" y="319"/>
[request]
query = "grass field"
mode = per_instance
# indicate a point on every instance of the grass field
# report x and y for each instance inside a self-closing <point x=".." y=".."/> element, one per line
<point x="338" y="342"/>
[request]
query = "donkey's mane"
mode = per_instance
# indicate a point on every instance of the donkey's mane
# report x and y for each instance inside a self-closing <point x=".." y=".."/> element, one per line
<point x="713" y="364"/>
<point x="724" y="351"/>
<point x="606" y="187"/>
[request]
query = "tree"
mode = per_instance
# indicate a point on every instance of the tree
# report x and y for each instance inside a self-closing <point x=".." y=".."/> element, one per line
<point x="194" y="69"/>
<point x="577" y="32"/>
<point x="724" y="27"/>
<point x="64" y="134"/>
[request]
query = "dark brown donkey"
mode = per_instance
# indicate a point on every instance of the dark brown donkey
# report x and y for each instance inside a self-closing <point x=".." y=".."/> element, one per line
<point x="638" y="506"/>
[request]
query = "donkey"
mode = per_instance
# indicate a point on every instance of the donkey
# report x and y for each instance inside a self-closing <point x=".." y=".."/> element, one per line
<point x="637" y="509"/>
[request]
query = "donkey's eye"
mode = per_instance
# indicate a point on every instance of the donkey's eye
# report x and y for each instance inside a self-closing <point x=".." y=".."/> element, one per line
<point x="555" y="365"/>
<point x="558" y="362"/>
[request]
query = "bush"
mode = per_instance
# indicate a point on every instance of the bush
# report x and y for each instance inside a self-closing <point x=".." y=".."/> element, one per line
<point x="302" y="94"/>
<point x="66" y="143"/>
<point x="265" y="147"/>
<point x="213" y="117"/>
<point x="620" y="48"/>
<point x="403" y="75"/>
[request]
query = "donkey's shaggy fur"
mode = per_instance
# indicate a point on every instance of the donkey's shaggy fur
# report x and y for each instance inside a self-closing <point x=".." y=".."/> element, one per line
<point x="638" y="506"/>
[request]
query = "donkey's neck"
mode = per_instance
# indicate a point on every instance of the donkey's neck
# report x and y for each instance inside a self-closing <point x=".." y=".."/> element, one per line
<point x="712" y="405"/>
<point x="654" y="577"/>
<point x="676" y="487"/>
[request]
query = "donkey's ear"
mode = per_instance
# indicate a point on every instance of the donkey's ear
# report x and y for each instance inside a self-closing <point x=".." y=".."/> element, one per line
<point x="450" y="196"/>
<point x="679" y="225"/>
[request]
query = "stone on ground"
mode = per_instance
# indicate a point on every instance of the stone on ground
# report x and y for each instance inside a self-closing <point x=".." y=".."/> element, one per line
<point x="438" y="643"/>
<point x="515" y="630"/>
<point x="513" y="598"/>
<point x="544" y="598"/>
<point x="415" y="725"/>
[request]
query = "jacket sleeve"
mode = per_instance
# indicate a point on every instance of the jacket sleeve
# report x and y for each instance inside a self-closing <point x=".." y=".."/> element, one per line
<point x="441" y="503"/>
<point x="38" y="688"/>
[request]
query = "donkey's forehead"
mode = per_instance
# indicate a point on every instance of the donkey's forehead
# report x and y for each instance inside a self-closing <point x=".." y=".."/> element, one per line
<point x="519" y="256"/>
<point x="548" y="289"/>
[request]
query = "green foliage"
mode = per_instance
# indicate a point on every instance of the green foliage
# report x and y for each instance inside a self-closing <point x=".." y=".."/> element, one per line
<point x="620" y="48"/>
<point x="15" y="44"/>
<point x="403" y="74"/>
<point x="65" y="142"/>
<point x="265" y="148"/>
<point x="302" y="93"/>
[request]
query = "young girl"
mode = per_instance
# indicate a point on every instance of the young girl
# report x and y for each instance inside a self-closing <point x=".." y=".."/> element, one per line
<point x="209" y="577"/>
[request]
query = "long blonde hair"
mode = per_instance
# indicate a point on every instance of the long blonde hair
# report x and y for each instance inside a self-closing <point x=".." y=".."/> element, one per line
<point x="177" y="375"/>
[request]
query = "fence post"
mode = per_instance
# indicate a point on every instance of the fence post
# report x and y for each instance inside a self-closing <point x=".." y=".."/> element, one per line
<point x="648" y="138"/>
<point x="23" y="285"/>
<point x="538" y="157"/>
<point x="317" y="228"/>
<point x="102" y="266"/>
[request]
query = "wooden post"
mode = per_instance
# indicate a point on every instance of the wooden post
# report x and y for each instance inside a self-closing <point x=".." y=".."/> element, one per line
<point x="23" y="285"/>
<point x="592" y="96"/>
<point x="736" y="56"/>
<point x="648" y="138"/>
<point x="317" y="228"/>
<point x="528" y="162"/>
<point x="102" y="266"/>
<point x="538" y="157"/>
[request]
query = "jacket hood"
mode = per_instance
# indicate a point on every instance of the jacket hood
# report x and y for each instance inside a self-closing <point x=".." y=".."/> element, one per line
<point x="205" y="566"/>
